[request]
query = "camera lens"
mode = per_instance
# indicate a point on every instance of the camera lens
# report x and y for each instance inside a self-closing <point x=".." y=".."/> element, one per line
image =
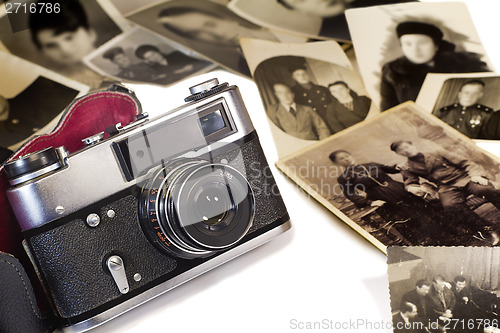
<point x="211" y="205"/>
<point x="199" y="207"/>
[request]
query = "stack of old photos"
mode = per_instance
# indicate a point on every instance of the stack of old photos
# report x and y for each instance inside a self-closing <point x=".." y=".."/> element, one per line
<point x="403" y="177"/>
<point x="408" y="178"/>
<point x="73" y="46"/>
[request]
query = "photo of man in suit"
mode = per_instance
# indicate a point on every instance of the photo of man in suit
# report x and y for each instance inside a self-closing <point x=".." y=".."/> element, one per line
<point x="402" y="322"/>
<point x="295" y="119"/>
<point x="419" y="297"/>
<point x="441" y="299"/>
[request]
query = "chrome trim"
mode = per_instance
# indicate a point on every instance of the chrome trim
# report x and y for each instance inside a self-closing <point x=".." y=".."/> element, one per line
<point x="176" y="281"/>
<point x="35" y="174"/>
<point x="84" y="182"/>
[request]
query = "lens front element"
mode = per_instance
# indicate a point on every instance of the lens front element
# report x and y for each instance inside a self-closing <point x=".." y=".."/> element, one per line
<point x="211" y="205"/>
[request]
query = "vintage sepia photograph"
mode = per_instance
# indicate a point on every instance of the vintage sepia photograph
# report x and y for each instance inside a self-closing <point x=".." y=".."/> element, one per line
<point x="60" y="41"/>
<point x="322" y="19"/>
<point x="398" y="45"/>
<point x="444" y="289"/>
<point x="126" y="7"/>
<point x="207" y="28"/>
<point x="468" y="103"/>
<point x="31" y="98"/>
<point x="141" y="56"/>
<point x="404" y="178"/>
<point x="306" y="98"/>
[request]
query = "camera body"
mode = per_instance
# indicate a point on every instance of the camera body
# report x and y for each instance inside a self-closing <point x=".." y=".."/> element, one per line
<point x="156" y="204"/>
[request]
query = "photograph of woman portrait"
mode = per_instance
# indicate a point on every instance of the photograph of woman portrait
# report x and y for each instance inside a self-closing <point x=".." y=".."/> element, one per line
<point x="412" y="40"/>
<point x="207" y="28"/>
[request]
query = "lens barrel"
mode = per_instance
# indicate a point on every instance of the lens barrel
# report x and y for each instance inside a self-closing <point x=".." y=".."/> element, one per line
<point x="192" y="208"/>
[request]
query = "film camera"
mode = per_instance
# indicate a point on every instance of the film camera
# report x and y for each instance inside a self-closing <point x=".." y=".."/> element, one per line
<point x="159" y="202"/>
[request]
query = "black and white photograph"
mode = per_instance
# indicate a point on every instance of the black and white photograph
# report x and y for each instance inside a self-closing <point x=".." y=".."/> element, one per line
<point x="207" y="28"/>
<point x="31" y="98"/>
<point x="398" y="45"/>
<point x="309" y="91"/>
<point x="323" y="19"/>
<point x="59" y="41"/>
<point x="404" y="178"/>
<point x="444" y="289"/>
<point x="468" y="103"/>
<point x="141" y="56"/>
<point x="126" y="7"/>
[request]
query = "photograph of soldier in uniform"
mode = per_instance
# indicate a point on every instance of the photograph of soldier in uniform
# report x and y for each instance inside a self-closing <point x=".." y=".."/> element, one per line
<point x="141" y="56"/>
<point x="416" y="181"/>
<point x="60" y="40"/>
<point x="414" y="39"/>
<point x="207" y="28"/>
<point x="321" y="79"/>
<point x="470" y="106"/>
<point x="308" y="93"/>
<point x="454" y="179"/>
<point x="369" y="185"/>
<point x="311" y="18"/>
<point x="450" y="289"/>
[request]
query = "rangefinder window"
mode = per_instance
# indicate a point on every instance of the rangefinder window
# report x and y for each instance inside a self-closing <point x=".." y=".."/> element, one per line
<point x="214" y="122"/>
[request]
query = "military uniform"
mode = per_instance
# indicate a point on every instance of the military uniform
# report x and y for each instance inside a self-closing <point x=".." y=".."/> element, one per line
<point x="453" y="178"/>
<point x="317" y="97"/>
<point x="469" y="120"/>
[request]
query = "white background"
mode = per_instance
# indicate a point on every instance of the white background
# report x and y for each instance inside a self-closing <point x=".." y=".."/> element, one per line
<point x="320" y="270"/>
